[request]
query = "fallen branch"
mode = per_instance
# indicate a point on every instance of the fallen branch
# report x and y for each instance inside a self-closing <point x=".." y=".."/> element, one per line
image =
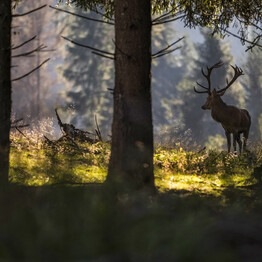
<point x="71" y="132"/>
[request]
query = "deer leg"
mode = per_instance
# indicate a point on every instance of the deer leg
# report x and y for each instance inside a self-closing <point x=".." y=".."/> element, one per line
<point x="228" y="141"/>
<point x="239" y="142"/>
<point x="245" y="135"/>
<point x="235" y="142"/>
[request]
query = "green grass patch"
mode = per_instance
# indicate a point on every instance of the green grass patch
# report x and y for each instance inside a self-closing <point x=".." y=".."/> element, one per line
<point x="211" y="172"/>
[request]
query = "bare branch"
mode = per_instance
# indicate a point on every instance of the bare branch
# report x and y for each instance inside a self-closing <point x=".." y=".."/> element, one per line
<point x="20" y="45"/>
<point x="251" y="23"/>
<point x="255" y="43"/>
<point x="109" y="57"/>
<point x="100" y="13"/>
<point x="29" y="12"/>
<point x="89" y="47"/>
<point x="243" y="39"/>
<point x="166" y="14"/>
<point x="16" y="121"/>
<point x="168" y="52"/>
<point x="168" y="21"/>
<point x="163" y="50"/>
<point x="38" y="49"/>
<point x="74" y="143"/>
<point x="121" y="51"/>
<point x="111" y="90"/>
<point x="50" y="142"/>
<point x="20" y="77"/>
<point x="81" y="16"/>
<point x="21" y="133"/>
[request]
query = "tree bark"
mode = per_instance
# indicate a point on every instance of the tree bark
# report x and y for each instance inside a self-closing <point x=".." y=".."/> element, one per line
<point x="5" y="88"/>
<point x="131" y="161"/>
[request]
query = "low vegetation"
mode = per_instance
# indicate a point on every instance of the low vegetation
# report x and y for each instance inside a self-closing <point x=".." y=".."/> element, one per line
<point x="37" y="162"/>
<point x="208" y="207"/>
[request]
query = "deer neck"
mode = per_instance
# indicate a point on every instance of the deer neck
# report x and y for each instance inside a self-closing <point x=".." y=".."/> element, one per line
<point x="219" y="110"/>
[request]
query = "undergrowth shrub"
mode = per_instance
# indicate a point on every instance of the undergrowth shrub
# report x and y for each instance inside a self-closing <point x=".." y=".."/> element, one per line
<point x="36" y="161"/>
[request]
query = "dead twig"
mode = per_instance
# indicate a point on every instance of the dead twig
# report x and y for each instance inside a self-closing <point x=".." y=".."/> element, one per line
<point x="20" y="126"/>
<point x="87" y="46"/>
<point x="38" y="49"/>
<point x="21" y="133"/>
<point x="27" y="74"/>
<point x="71" y="132"/>
<point x="168" y="21"/>
<point x="29" y="12"/>
<point x="81" y="16"/>
<point x="166" y="14"/>
<point x="165" y="53"/>
<point x="166" y="48"/>
<point x="24" y="43"/>
<point x="243" y="39"/>
<point x="109" y="57"/>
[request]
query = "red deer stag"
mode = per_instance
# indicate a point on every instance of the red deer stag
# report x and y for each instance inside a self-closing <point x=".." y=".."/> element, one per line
<point x="234" y="120"/>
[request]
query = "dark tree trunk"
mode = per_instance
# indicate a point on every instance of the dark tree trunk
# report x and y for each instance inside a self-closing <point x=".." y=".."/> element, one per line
<point x="5" y="88"/>
<point x="131" y="161"/>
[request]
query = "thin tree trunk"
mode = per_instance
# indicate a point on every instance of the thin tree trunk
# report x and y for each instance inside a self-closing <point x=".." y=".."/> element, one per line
<point x="5" y="88"/>
<point x="131" y="161"/>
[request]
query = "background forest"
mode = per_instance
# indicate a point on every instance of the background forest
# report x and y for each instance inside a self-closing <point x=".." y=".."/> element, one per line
<point x="57" y="207"/>
<point x="76" y="81"/>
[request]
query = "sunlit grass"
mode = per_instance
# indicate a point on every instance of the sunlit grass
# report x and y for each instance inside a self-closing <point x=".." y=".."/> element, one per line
<point x="206" y="184"/>
<point x="34" y="163"/>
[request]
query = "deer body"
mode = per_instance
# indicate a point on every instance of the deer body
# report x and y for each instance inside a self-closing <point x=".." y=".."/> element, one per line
<point x="234" y="120"/>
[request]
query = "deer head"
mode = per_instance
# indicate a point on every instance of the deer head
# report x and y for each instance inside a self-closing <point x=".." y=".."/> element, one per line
<point x="216" y="94"/>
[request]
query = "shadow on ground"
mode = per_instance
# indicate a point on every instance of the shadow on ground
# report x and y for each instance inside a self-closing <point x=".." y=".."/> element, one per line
<point x="89" y="223"/>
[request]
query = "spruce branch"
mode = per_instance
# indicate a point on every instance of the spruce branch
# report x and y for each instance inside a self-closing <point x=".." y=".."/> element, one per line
<point x="166" y="48"/>
<point x="89" y="47"/>
<point x="24" y="43"/>
<point x="29" y="12"/>
<point x="27" y="74"/>
<point x="81" y="16"/>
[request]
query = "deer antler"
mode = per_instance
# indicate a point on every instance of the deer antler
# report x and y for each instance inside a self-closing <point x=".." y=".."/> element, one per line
<point x="238" y="72"/>
<point x="207" y="76"/>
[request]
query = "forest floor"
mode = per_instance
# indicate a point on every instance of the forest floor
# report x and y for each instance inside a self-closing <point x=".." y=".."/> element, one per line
<point x="208" y="207"/>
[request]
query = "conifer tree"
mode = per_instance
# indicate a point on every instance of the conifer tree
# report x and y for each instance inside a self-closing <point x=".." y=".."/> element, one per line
<point x="253" y="73"/>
